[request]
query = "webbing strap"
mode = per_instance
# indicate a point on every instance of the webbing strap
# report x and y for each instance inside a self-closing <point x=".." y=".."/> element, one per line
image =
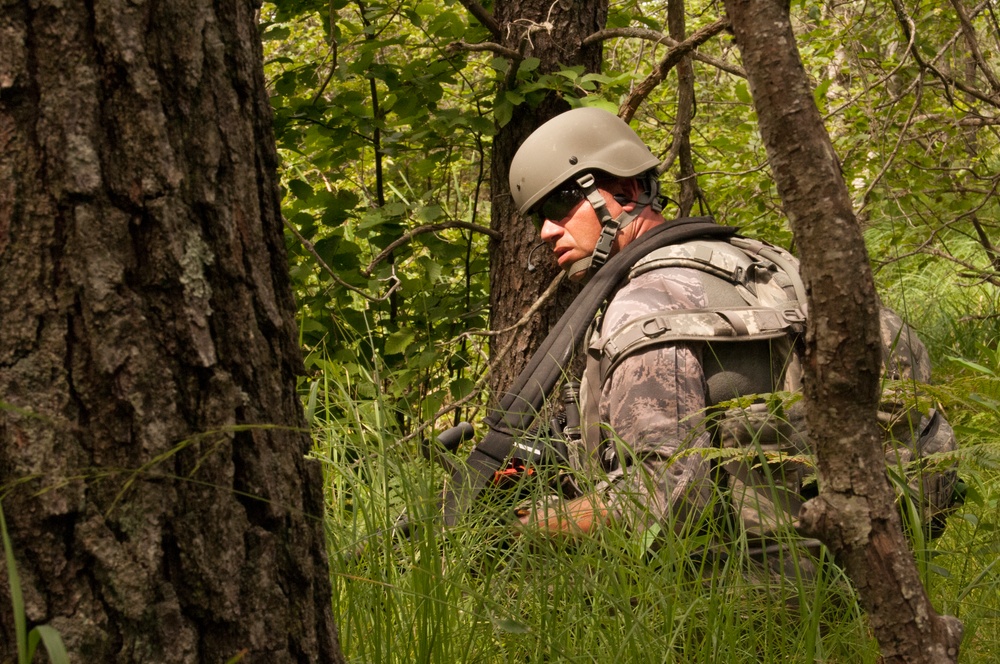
<point x="729" y="324"/>
<point x="523" y="401"/>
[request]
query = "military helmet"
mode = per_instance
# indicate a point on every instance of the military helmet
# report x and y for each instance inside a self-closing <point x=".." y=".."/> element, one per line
<point x="574" y="142"/>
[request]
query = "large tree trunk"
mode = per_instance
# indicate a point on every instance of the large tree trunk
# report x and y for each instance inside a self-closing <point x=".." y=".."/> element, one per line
<point x="553" y="33"/>
<point x="152" y="447"/>
<point x="855" y="514"/>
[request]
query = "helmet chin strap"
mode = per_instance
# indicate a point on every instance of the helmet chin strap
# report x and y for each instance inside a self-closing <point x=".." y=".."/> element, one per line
<point x="610" y="226"/>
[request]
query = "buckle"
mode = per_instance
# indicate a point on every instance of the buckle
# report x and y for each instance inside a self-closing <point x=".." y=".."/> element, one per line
<point x="654" y="327"/>
<point x="793" y="314"/>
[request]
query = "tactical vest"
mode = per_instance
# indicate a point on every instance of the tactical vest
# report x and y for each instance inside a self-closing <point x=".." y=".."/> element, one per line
<point x="752" y="326"/>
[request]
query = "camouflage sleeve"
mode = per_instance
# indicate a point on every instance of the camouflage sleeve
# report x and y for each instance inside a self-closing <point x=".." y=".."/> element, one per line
<point x="654" y="404"/>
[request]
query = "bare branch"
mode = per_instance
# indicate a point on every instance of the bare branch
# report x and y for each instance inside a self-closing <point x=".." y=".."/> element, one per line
<point x="333" y="275"/>
<point x="660" y="38"/>
<point x="895" y="151"/>
<point x="454" y="47"/>
<point x="484" y="17"/>
<point x="976" y="52"/>
<point x="663" y="67"/>
<point x="971" y="91"/>
<point x="978" y="121"/>
<point x="429" y="228"/>
<point x="532" y="310"/>
<point x="974" y="271"/>
<point x="687" y="179"/>
<point x="909" y="31"/>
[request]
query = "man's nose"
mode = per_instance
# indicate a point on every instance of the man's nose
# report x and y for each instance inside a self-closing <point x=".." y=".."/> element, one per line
<point x="549" y="230"/>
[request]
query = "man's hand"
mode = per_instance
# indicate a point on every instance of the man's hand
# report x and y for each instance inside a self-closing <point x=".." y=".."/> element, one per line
<point x="583" y="515"/>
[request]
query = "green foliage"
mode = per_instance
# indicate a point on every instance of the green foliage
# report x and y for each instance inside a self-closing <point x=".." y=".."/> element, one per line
<point x="481" y="593"/>
<point x="384" y="128"/>
<point x="377" y="125"/>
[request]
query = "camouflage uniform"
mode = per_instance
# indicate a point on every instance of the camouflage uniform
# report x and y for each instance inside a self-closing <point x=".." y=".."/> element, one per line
<point x="655" y="401"/>
<point x="651" y="412"/>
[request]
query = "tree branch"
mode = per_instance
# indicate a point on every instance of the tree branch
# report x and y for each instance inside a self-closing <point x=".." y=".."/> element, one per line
<point x="909" y="31"/>
<point x="430" y="228"/>
<point x="970" y="39"/>
<point x="663" y="67"/>
<point x="510" y="53"/>
<point x="329" y="270"/>
<point x="863" y="201"/>
<point x="660" y="38"/>
<point x="687" y="177"/>
<point x="855" y="514"/>
<point x="484" y="17"/>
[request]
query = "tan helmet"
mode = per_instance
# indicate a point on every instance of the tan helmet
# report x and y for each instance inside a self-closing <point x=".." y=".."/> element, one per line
<point x="574" y="142"/>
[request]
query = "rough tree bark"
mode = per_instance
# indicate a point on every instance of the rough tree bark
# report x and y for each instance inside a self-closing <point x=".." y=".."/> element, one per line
<point x="152" y="448"/>
<point x="855" y="514"/>
<point x="553" y="33"/>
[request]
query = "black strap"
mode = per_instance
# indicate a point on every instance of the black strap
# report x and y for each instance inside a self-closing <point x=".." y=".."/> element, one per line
<point x="521" y="404"/>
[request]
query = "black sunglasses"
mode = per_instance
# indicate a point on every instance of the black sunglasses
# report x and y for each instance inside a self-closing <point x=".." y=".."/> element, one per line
<point x="558" y="204"/>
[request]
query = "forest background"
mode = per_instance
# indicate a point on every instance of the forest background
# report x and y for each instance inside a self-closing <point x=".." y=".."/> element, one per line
<point x="386" y="117"/>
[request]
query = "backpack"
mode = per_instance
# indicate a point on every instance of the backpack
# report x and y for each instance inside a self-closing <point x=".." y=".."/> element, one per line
<point x="753" y="328"/>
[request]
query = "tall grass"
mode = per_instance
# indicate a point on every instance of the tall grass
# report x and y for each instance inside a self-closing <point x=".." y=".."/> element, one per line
<point x="958" y="319"/>
<point x="480" y="593"/>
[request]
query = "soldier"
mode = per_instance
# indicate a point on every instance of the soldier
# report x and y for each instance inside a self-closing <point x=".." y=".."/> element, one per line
<point x="590" y="183"/>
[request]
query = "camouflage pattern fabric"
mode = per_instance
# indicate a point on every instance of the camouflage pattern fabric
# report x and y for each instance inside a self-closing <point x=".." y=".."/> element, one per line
<point x="645" y="423"/>
<point x="654" y="400"/>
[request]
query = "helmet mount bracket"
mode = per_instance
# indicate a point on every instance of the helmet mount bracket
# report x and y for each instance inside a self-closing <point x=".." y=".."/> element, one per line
<point x="610" y="225"/>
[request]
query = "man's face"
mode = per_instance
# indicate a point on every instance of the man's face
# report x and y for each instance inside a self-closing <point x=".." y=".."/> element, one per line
<point x="574" y="236"/>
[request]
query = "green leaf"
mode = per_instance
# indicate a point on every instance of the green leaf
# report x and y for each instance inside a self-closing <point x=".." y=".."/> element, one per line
<point x="397" y="342"/>
<point x="819" y="94"/>
<point x="285" y="85"/>
<point x="742" y="93"/>
<point x="53" y="644"/>
<point x="503" y="111"/>
<point x="510" y="626"/>
<point x="600" y="102"/>
<point x="528" y="65"/>
<point x="513" y="97"/>
<point x="276" y="33"/>
<point x="461" y="387"/>
<point x="431" y="268"/>
<point x="14" y="582"/>
<point x="429" y="213"/>
<point x="974" y="366"/>
<point x="572" y="73"/>
<point x="300" y="189"/>
<point x="426" y="9"/>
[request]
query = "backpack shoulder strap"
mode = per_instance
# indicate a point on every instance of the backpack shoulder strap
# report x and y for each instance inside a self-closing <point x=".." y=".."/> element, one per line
<point x="715" y="325"/>
<point x="771" y="307"/>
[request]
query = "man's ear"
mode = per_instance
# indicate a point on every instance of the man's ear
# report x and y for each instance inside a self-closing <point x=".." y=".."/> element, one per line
<point x="632" y="191"/>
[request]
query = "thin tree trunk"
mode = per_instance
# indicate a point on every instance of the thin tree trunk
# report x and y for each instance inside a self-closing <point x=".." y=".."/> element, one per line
<point x="553" y="34"/>
<point x="855" y="514"/>
<point x="687" y="179"/>
<point x="152" y="446"/>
